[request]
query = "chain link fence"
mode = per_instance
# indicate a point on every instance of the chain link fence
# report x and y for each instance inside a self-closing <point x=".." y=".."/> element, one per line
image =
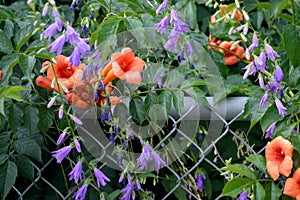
<point x="230" y="121"/>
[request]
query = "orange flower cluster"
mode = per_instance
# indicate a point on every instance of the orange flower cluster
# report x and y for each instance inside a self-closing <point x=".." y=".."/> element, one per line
<point x="223" y="10"/>
<point x="279" y="161"/>
<point x="232" y="55"/>
<point x="225" y="48"/>
<point x="123" y="65"/>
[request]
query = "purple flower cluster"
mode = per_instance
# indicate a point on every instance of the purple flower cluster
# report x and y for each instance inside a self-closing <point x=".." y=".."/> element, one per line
<point x="80" y="44"/>
<point x="179" y="27"/>
<point x="149" y="155"/>
<point x="259" y="64"/>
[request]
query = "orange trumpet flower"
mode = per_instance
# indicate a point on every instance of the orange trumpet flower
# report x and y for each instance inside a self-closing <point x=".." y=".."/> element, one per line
<point x="292" y="185"/>
<point x="231" y="58"/>
<point x="123" y="65"/>
<point x="66" y="74"/>
<point x="279" y="157"/>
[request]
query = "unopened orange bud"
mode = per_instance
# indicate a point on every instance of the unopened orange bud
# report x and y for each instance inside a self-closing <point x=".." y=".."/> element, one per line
<point x="114" y="100"/>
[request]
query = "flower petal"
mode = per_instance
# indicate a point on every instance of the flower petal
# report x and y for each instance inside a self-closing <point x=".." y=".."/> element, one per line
<point x="133" y="77"/>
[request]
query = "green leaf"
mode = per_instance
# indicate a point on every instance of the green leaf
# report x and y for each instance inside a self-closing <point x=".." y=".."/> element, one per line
<point x="197" y="94"/>
<point x="253" y="110"/>
<point x="259" y="191"/>
<point x="121" y="114"/>
<point x="270" y="116"/>
<point x="7" y="63"/>
<point x="2" y="106"/>
<point x="113" y="195"/>
<point x="272" y="191"/>
<point x="174" y="79"/>
<point x="5" y="43"/>
<point x="23" y="35"/>
<point x="178" y="101"/>
<point x="5" y="12"/>
<point x="46" y="117"/>
<point x="25" y="166"/>
<point x="296" y="142"/>
<point x="156" y="113"/>
<point x="284" y="128"/>
<point x="31" y="118"/>
<point x="291" y="41"/>
<point x="241" y="169"/>
<point x="28" y="147"/>
<point x="27" y="64"/>
<point x="150" y="100"/>
<point x="12" y="92"/>
<point x="258" y="161"/>
<point x="8" y="175"/>
<point x="137" y="110"/>
<point x="135" y="26"/>
<point x="3" y="158"/>
<point x="15" y="117"/>
<point x="106" y="35"/>
<point x="187" y="11"/>
<point x="234" y="187"/>
<point x="165" y="99"/>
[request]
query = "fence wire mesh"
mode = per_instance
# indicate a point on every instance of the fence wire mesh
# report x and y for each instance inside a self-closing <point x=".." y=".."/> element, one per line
<point x="43" y="183"/>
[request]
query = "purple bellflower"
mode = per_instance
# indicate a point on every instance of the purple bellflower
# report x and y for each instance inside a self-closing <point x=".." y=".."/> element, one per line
<point x="127" y="190"/>
<point x="180" y="25"/>
<point x="145" y="157"/>
<point x="76" y="173"/>
<point x="162" y="25"/>
<point x="243" y="196"/>
<point x="161" y="6"/>
<point x="45" y="9"/>
<point x="281" y="109"/>
<point x="189" y="48"/>
<point x="180" y="56"/>
<point x="72" y="35"/>
<point x="263" y="100"/>
<point x="49" y="32"/>
<point x="158" y="162"/>
<point x="61" y="153"/>
<point x="271" y="53"/>
<point x="159" y="81"/>
<point x="254" y="43"/>
<point x="174" y="17"/>
<point x="200" y="182"/>
<point x="55" y="12"/>
<point x="278" y="75"/>
<point x="58" y="23"/>
<point x="101" y="178"/>
<point x="173" y="37"/>
<point x="262" y="63"/>
<point x="76" y="120"/>
<point x="61" y="137"/>
<point x="57" y="45"/>
<point x="60" y="112"/>
<point x="77" y="146"/>
<point x="80" y="194"/>
<point x="270" y="129"/>
<point x="261" y="81"/>
<point x="82" y="48"/>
